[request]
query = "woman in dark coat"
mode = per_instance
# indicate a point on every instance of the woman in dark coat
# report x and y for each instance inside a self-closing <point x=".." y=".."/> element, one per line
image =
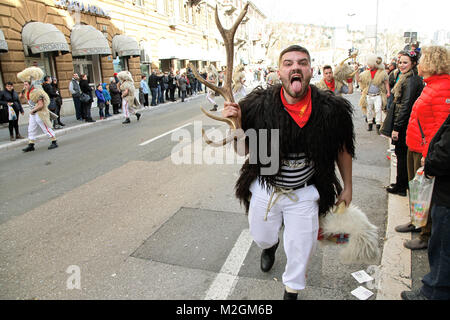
<point x="406" y="91"/>
<point x="86" y="106"/>
<point x="116" y="99"/>
<point x="8" y="98"/>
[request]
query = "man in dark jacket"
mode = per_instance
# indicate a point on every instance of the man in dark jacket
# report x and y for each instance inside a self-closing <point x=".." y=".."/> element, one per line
<point x="153" y="85"/>
<point x="9" y="98"/>
<point x="436" y="284"/>
<point x="172" y="86"/>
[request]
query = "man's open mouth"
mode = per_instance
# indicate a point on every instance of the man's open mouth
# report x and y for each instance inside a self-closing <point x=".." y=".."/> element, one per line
<point x="296" y="78"/>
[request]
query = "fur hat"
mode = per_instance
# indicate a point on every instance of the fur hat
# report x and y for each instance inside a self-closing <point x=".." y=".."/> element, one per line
<point x="125" y="76"/>
<point x="31" y="75"/>
<point x="362" y="246"/>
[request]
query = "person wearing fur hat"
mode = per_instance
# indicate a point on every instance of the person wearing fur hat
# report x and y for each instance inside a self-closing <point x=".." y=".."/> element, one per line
<point x="38" y="101"/>
<point x="239" y="81"/>
<point x="375" y="90"/>
<point x="336" y="84"/>
<point x="129" y="101"/>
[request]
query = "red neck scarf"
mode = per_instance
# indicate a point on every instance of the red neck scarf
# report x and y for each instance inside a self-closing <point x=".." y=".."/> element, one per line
<point x="300" y="111"/>
<point x="330" y="85"/>
<point x="372" y="72"/>
<point x="28" y="93"/>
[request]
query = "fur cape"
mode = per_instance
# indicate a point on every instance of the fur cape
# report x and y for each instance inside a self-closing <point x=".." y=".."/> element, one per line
<point x="126" y="82"/>
<point x="329" y="130"/>
<point x="323" y="86"/>
<point x="238" y="75"/>
<point x="365" y="80"/>
<point x="32" y="75"/>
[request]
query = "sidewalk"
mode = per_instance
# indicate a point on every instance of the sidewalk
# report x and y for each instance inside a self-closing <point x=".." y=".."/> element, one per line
<point x="401" y="269"/>
<point x="71" y="124"/>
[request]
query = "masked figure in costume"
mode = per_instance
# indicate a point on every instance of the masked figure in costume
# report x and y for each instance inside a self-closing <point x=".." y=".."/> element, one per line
<point x="238" y="82"/>
<point x="374" y="84"/>
<point x="313" y="130"/>
<point x="341" y="82"/>
<point x="129" y="101"/>
<point x="212" y="77"/>
<point x="38" y="101"/>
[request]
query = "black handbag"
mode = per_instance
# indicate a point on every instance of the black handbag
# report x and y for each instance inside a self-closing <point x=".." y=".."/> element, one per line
<point x="52" y="106"/>
<point x="388" y="123"/>
<point x="85" y="98"/>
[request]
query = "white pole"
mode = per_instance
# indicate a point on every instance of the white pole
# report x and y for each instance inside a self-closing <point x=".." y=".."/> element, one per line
<point x="376" y="30"/>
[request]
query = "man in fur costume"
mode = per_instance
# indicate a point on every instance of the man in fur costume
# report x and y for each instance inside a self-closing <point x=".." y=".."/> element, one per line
<point x="374" y="84"/>
<point x="311" y="131"/>
<point x="341" y="83"/>
<point x="238" y="82"/>
<point x="129" y="101"/>
<point x="212" y="77"/>
<point x="38" y="101"/>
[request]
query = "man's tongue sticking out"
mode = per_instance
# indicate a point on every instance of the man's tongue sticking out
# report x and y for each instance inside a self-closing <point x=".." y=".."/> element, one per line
<point x="296" y="85"/>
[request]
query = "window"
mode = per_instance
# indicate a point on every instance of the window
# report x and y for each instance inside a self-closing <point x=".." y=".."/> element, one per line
<point x="89" y="65"/>
<point x="120" y="64"/>
<point x="45" y="61"/>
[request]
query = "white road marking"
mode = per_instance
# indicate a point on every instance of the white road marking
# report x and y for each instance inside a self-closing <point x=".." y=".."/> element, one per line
<point x="164" y="134"/>
<point x="225" y="281"/>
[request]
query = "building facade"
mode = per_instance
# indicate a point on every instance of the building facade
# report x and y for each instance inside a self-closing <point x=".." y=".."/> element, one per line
<point x="99" y="38"/>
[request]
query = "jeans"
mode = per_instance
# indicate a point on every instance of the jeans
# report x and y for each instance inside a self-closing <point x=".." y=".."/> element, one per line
<point x="183" y="95"/>
<point x="158" y="99"/>
<point x="161" y="96"/>
<point x="401" y="151"/>
<point x="154" y="96"/>
<point x="77" y="104"/>
<point x="436" y="284"/>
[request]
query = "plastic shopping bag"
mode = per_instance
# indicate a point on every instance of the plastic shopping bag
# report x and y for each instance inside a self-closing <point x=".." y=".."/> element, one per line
<point x="11" y="114"/>
<point x="420" y="192"/>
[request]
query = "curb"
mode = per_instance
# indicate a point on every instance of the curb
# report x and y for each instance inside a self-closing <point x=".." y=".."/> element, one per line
<point x="395" y="271"/>
<point x="61" y="132"/>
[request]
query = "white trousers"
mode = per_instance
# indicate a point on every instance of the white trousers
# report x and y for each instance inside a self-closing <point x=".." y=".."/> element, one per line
<point x="374" y="104"/>
<point x="210" y="96"/>
<point x="241" y="93"/>
<point x="125" y="109"/>
<point x="301" y="225"/>
<point x="34" y="123"/>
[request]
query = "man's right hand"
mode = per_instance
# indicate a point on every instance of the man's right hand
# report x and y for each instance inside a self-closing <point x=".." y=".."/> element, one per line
<point x="231" y="110"/>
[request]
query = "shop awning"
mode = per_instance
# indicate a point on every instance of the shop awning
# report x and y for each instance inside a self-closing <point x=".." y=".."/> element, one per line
<point x="3" y="43"/>
<point x="86" y="40"/>
<point x="40" y="37"/>
<point x="125" y="46"/>
<point x="167" y="49"/>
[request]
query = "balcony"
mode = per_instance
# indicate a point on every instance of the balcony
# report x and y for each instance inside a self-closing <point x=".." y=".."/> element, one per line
<point x="173" y="22"/>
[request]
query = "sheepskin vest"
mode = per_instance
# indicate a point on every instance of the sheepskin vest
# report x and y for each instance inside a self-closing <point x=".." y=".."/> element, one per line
<point x="366" y="80"/>
<point x="130" y="96"/>
<point x="337" y="86"/>
<point x="35" y="95"/>
<point x="328" y="131"/>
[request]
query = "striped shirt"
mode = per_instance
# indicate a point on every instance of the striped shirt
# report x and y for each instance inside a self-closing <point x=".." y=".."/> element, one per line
<point x="296" y="169"/>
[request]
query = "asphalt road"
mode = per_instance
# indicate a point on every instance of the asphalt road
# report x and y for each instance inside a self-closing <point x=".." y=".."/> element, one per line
<point x="112" y="203"/>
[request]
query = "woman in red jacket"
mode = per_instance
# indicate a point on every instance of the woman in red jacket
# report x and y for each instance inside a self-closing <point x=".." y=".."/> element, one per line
<point x="430" y="110"/>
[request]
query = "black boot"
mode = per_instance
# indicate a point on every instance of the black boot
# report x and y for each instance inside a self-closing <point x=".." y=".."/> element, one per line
<point x="138" y="115"/>
<point x="127" y="120"/>
<point x="378" y="128"/>
<point x="29" y="148"/>
<point x="53" y="145"/>
<point x="395" y="189"/>
<point x="60" y="123"/>
<point x="370" y="127"/>
<point x="289" y="295"/>
<point x="268" y="257"/>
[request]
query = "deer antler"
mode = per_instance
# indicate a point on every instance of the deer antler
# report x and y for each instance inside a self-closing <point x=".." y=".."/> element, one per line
<point x="225" y="91"/>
